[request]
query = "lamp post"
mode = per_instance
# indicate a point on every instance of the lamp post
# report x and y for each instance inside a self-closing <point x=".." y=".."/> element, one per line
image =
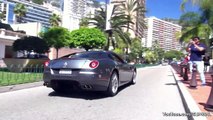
<point x="108" y="29"/>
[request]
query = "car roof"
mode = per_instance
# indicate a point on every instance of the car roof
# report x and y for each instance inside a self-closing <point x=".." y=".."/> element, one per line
<point x="99" y="51"/>
<point x="90" y="52"/>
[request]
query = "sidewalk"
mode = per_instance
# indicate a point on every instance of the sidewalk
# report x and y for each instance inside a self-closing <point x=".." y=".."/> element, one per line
<point x="201" y="94"/>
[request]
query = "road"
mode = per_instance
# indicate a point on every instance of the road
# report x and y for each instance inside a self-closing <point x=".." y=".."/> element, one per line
<point x="154" y="94"/>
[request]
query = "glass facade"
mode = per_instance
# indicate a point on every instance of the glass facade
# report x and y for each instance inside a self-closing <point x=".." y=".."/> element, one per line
<point x="35" y="13"/>
<point x="10" y="17"/>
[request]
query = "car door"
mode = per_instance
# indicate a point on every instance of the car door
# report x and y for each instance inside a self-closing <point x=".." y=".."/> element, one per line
<point x="123" y="67"/>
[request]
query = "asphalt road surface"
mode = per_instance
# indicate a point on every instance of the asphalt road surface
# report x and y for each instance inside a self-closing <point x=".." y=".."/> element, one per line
<point x="154" y="97"/>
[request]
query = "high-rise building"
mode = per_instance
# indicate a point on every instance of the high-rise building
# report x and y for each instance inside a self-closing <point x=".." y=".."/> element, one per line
<point x="163" y="32"/>
<point x="73" y="12"/>
<point x="35" y="12"/>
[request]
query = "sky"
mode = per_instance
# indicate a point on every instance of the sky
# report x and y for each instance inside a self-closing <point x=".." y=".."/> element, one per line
<point x="165" y="8"/>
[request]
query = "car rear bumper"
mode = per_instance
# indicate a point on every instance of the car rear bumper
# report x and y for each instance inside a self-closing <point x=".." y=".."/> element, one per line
<point x="85" y="81"/>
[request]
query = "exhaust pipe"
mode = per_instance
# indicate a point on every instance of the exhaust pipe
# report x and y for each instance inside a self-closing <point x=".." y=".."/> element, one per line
<point x="87" y="86"/>
<point x="44" y="84"/>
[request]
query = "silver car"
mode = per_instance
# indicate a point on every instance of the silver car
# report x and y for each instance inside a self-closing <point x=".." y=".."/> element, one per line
<point x="92" y="70"/>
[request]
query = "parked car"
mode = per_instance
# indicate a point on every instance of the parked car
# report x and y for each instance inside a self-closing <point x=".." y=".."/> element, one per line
<point x="165" y="62"/>
<point x="91" y="70"/>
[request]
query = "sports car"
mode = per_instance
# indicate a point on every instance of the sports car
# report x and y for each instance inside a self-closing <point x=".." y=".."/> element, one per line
<point x="89" y="70"/>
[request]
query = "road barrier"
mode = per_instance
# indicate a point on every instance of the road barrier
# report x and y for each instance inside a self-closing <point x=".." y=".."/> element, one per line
<point x="209" y="104"/>
<point x="193" y="82"/>
<point x="182" y="69"/>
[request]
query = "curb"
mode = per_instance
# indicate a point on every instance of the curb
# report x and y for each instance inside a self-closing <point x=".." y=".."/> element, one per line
<point x="192" y="110"/>
<point x="20" y="86"/>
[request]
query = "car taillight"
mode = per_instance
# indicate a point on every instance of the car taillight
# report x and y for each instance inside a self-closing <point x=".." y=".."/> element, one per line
<point x="46" y="63"/>
<point x="94" y="64"/>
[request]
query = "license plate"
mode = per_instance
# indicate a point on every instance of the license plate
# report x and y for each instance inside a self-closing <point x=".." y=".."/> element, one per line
<point x="65" y="72"/>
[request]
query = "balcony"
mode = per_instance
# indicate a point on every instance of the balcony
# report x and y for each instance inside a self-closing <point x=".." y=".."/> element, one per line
<point x="10" y="35"/>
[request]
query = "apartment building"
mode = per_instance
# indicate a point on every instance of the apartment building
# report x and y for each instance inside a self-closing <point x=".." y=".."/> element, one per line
<point x="73" y="12"/>
<point x="35" y="12"/>
<point x="164" y="32"/>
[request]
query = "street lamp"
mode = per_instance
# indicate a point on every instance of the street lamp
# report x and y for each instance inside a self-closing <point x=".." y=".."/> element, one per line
<point x="108" y="29"/>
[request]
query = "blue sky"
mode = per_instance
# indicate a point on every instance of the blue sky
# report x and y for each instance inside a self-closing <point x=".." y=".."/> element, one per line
<point x="165" y="8"/>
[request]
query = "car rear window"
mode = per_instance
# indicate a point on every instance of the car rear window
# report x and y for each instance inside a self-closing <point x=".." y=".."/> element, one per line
<point x="92" y="55"/>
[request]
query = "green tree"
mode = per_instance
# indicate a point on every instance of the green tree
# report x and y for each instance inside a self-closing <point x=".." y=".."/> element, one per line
<point x="29" y="44"/>
<point x="58" y="37"/>
<point x="189" y="19"/>
<point x="55" y="20"/>
<point x="190" y="22"/>
<point x="88" y="38"/>
<point x="206" y="18"/>
<point x="136" y="49"/>
<point x="20" y="11"/>
<point x="150" y="57"/>
<point x="173" y="54"/>
<point x="158" y="52"/>
<point x="119" y="51"/>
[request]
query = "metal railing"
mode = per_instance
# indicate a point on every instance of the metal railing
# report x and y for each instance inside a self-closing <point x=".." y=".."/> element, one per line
<point x="12" y="74"/>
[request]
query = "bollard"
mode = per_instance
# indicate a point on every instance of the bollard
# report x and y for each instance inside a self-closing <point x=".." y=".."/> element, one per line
<point x="185" y="75"/>
<point x="209" y="104"/>
<point x="181" y="70"/>
<point x="193" y="82"/>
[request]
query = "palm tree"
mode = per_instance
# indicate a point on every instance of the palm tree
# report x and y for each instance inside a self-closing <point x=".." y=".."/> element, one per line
<point x="118" y="22"/>
<point x="20" y="11"/>
<point x="203" y="26"/>
<point x="206" y="10"/>
<point x="132" y="9"/>
<point x="55" y="20"/>
<point x="189" y="19"/>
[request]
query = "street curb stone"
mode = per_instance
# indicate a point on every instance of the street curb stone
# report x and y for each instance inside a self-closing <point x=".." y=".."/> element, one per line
<point x="20" y="86"/>
<point x="189" y="103"/>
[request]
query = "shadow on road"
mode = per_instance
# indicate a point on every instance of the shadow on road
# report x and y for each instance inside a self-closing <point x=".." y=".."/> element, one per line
<point x="203" y="104"/>
<point x="171" y="84"/>
<point x="87" y="95"/>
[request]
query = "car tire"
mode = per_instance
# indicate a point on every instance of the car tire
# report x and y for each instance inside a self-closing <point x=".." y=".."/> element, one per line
<point x="113" y="85"/>
<point x="57" y="87"/>
<point x="133" y="81"/>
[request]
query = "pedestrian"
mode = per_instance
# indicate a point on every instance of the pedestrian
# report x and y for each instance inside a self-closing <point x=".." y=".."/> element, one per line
<point x="206" y="59"/>
<point x="196" y="50"/>
<point x="186" y="59"/>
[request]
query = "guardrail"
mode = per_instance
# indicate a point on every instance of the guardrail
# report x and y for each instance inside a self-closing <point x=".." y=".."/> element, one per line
<point x="29" y="74"/>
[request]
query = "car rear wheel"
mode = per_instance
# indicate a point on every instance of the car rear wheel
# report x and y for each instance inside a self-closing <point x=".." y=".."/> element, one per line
<point x="113" y="85"/>
<point x="133" y="81"/>
<point x="57" y="87"/>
